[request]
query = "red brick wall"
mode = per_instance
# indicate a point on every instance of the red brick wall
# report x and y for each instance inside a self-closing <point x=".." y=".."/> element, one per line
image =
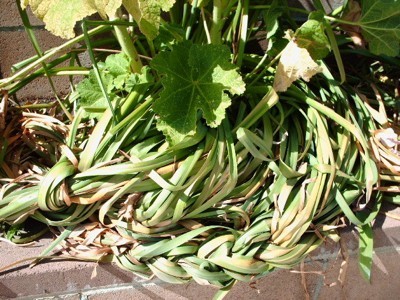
<point x="15" y="46"/>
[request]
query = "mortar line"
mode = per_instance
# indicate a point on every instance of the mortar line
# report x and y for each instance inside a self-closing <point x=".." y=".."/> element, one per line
<point x="19" y="28"/>
<point x="105" y="290"/>
<point x="327" y="256"/>
<point x="49" y="296"/>
<point x="98" y="290"/>
<point x="324" y="258"/>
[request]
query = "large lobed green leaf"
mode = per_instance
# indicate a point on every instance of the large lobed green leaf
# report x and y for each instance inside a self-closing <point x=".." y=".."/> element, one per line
<point x="380" y="25"/>
<point x="60" y="16"/>
<point x="196" y="78"/>
<point x="147" y="14"/>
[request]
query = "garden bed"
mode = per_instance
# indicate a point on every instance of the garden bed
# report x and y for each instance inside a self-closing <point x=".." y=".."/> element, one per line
<point x="186" y="155"/>
<point x="74" y="280"/>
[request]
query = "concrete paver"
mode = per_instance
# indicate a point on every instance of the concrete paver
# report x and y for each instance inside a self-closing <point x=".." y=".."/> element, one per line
<point x="384" y="280"/>
<point x="67" y="278"/>
<point x="9" y="15"/>
<point x="15" y="47"/>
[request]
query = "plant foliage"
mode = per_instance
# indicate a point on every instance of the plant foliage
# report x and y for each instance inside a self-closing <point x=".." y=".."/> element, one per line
<point x="196" y="78"/>
<point x="380" y="24"/>
<point x="208" y="140"/>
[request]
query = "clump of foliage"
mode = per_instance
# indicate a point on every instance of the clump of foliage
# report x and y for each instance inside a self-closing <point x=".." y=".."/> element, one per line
<point x="222" y="140"/>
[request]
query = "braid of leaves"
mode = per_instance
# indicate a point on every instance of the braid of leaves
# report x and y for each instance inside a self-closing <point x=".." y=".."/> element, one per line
<point x="226" y="204"/>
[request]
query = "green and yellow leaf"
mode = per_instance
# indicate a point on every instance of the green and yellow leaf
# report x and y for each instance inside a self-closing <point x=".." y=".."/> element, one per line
<point x="61" y="16"/>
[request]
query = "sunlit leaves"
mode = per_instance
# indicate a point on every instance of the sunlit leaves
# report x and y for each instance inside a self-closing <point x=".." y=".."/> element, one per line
<point x="380" y="25"/>
<point x="60" y="16"/>
<point x="311" y="36"/>
<point x="196" y="80"/>
<point x="295" y="63"/>
<point x="116" y="76"/>
<point x="147" y="14"/>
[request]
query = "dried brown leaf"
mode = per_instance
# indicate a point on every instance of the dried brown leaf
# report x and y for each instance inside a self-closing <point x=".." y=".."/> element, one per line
<point x="295" y="63"/>
<point x="3" y="113"/>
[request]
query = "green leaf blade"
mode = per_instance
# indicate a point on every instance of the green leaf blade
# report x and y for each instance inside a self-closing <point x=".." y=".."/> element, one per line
<point x="116" y="76"/>
<point x="271" y="18"/>
<point x="118" y="64"/>
<point x="366" y="249"/>
<point x="311" y="36"/>
<point x="90" y="91"/>
<point x="380" y="26"/>
<point x="196" y="80"/>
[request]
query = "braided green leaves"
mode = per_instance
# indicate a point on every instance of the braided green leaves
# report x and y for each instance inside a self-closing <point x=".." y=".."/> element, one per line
<point x="196" y="78"/>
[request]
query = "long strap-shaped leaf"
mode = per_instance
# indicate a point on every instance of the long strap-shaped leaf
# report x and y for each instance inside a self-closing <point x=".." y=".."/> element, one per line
<point x="149" y="251"/>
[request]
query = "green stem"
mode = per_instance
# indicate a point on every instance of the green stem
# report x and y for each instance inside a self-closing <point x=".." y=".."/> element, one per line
<point x="127" y="46"/>
<point x="62" y="71"/>
<point x="336" y="51"/>
<point x="221" y="10"/>
<point x="289" y="8"/>
<point x="39" y="72"/>
<point x="185" y="14"/>
<point x="95" y="67"/>
<point x="9" y="82"/>
<point x="217" y="22"/>
<point x="36" y="46"/>
<point x="191" y="19"/>
<point x="318" y="5"/>
<point x="151" y="47"/>
<point x="333" y="19"/>
<point x="205" y="26"/>
<point x="332" y="39"/>
<point x="243" y="31"/>
<point x="231" y="32"/>
<point x="264" y="70"/>
<point x="36" y="106"/>
<point x="266" y="103"/>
